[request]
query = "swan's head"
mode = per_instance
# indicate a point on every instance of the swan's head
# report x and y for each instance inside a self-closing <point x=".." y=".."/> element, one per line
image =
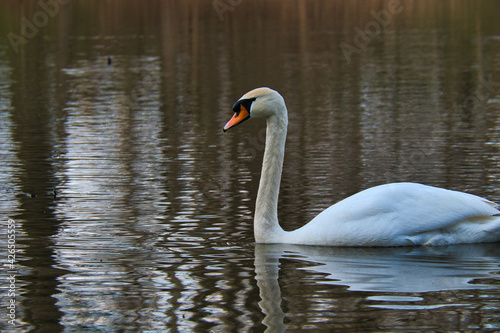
<point x="257" y="103"/>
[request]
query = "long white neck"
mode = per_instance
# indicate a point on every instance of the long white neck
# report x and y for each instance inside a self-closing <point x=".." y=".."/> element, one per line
<point x="266" y="226"/>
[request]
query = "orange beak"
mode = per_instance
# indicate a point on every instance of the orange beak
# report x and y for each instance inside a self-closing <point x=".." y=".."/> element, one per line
<point x="237" y="118"/>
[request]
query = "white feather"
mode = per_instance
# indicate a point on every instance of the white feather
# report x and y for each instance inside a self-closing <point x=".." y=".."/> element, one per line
<point x="402" y="214"/>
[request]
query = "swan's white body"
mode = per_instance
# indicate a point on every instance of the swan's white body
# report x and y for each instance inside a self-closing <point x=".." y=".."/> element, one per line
<point x="396" y="214"/>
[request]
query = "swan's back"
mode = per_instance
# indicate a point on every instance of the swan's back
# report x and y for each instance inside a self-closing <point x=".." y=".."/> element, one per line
<point x="403" y="214"/>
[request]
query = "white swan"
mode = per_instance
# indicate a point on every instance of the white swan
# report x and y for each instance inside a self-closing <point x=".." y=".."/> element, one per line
<point x="397" y="214"/>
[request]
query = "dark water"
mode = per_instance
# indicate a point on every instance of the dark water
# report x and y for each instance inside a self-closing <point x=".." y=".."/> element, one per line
<point x="133" y="212"/>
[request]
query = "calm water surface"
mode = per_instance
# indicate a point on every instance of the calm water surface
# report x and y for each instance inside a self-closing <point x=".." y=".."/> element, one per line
<point x="133" y="211"/>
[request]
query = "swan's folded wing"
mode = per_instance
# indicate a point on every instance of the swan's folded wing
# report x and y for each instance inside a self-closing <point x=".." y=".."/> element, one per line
<point x="406" y="214"/>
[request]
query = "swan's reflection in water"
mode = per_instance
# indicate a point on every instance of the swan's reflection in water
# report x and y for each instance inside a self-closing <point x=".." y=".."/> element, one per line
<point x="379" y="270"/>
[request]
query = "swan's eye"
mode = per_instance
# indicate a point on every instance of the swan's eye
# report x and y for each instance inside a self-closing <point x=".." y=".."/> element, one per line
<point x="246" y="103"/>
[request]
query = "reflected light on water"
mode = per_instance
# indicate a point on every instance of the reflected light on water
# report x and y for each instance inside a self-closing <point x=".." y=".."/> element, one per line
<point x="134" y="211"/>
